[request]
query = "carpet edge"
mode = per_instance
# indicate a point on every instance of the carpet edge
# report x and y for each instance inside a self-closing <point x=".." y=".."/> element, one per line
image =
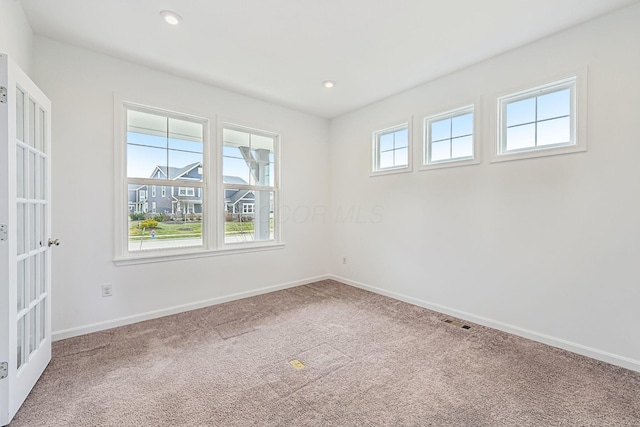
<point x="127" y="320"/>
<point x="594" y="353"/>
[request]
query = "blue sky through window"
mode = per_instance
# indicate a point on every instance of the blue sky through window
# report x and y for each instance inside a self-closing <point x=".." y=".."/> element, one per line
<point x="393" y="149"/>
<point x="451" y="137"/>
<point x="539" y="120"/>
<point x="145" y="152"/>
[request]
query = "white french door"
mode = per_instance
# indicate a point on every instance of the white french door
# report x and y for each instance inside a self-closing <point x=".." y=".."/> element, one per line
<point x="25" y="259"/>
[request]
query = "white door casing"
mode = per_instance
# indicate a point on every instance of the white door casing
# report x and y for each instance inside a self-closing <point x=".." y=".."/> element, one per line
<point x="25" y="258"/>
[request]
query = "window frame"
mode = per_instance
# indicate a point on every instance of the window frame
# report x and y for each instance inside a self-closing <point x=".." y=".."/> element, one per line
<point x="277" y="204"/>
<point x="576" y="81"/>
<point x="211" y="188"/>
<point x="375" y="149"/>
<point x="123" y="254"/>
<point x="451" y="113"/>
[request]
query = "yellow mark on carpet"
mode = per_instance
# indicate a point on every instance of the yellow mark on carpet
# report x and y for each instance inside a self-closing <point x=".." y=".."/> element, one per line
<point x="297" y="364"/>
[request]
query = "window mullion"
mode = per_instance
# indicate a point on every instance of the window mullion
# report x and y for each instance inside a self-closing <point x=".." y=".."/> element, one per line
<point x="167" y="145"/>
<point x="535" y="134"/>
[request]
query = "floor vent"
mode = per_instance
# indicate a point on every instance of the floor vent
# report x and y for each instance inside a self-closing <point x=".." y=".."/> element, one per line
<point x="297" y="364"/>
<point x="457" y="323"/>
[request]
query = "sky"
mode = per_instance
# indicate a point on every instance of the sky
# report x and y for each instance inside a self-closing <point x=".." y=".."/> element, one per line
<point x="145" y="152"/>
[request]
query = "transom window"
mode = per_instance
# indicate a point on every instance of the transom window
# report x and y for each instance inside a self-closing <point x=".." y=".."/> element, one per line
<point x="449" y="137"/>
<point x="538" y="119"/>
<point x="391" y="149"/>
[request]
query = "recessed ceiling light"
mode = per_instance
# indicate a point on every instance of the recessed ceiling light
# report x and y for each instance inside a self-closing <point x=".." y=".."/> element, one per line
<point x="328" y="83"/>
<point x="171" y="17"/>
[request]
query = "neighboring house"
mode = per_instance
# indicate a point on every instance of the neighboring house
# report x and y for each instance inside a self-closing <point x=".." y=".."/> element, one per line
<point x="176" y="200"/>
<point x="138" y="199"/>
<point x="238" y="202"/>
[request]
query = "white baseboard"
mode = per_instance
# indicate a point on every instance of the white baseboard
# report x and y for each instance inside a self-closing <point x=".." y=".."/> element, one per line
<point x="591" y="352"/>
<point x="594" y="353"/>
<point x="101" y="326"/>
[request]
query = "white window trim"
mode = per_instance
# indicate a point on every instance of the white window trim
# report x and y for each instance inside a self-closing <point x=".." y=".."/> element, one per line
<point x="579" y="118"/>
<point x="400" y="124"/>
<point x="477" y="146"/>
<point x="212" y="204"/>
<point x="188" y="191"/>
<point x="245" y="207"/>
<point x="227" y="123"/>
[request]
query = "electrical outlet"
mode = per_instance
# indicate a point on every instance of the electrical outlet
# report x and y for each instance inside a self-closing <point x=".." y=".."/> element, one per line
<point x="344" y="259"/>
<point x="107" y="290"/>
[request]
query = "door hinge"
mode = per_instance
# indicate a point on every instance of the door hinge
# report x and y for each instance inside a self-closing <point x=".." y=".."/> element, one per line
<point x="4" y="370"/>
<point x="3" y="232"/>
<point x="3" y="94"/>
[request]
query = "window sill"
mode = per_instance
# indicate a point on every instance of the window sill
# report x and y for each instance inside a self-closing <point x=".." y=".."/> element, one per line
<point x="390" y="171"/>
<point x="544" y="152"/>
<point x="152" y="257"/>
<point x="449" y="164"/>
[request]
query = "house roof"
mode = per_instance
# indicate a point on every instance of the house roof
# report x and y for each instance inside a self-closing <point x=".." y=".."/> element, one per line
<point x="228" y="179"/>
<point x="175" y="173"/>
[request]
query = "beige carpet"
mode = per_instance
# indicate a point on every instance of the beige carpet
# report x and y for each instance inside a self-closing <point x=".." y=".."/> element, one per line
<point x="368" y="361"/>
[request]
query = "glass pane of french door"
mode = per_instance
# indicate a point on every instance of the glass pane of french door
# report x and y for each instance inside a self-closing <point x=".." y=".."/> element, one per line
<point x="32" y="211"/>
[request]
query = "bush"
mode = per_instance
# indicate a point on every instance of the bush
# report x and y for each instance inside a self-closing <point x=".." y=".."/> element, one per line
<point x="136" y="216"/>
<point x="149" y="223"/>
<point x="159" y="218"/>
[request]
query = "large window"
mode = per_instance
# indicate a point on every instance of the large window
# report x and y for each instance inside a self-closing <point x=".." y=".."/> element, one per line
<point x="449" y="138"/>
<point x="213" y="198"/>
<point x="540" y="121"/>
<point x="391" y="151"/>
<point x="167" y="150"/>
<point x="250" y="184"/>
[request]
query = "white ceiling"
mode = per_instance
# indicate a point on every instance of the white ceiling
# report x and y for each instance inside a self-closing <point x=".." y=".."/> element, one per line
<point x="281" y="50"/>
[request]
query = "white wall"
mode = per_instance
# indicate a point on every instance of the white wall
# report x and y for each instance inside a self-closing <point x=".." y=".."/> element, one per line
<point x="547" y="248"/>
<point x="81" y="85"/>
<point x="16" y="37"/>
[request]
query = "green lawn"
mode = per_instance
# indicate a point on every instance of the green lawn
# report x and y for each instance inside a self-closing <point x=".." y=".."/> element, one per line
<point x="178" y="230"/>
<point x="168" y="230"/>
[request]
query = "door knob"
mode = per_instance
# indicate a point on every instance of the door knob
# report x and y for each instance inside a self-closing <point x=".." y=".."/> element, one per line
<point x="54" y="242"/>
